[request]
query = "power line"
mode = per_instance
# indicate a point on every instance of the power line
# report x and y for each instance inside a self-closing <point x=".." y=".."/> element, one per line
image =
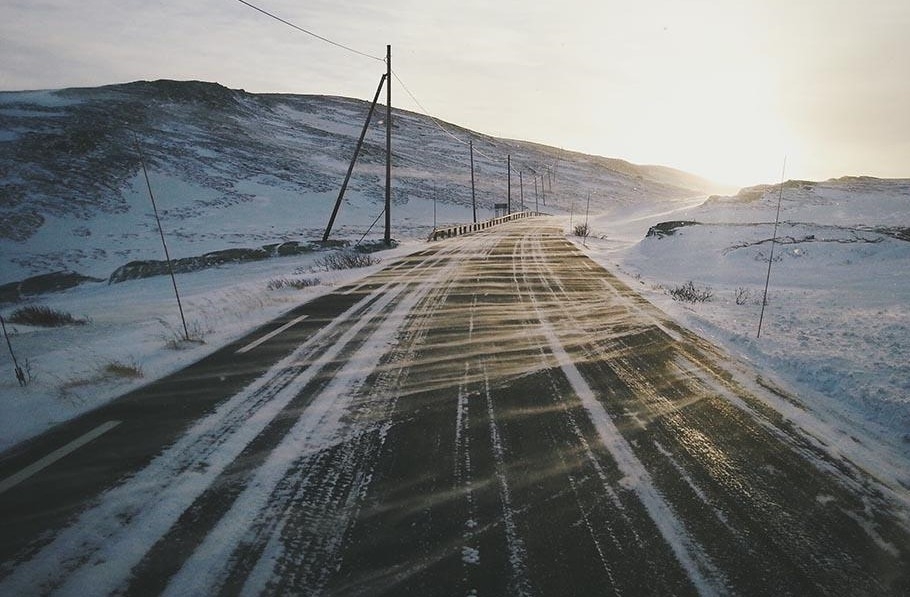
<point x="302" y="30"/>
<point x="378" y="59"/>
<point x="434" y="120"/>
<point x="426" y="113"/>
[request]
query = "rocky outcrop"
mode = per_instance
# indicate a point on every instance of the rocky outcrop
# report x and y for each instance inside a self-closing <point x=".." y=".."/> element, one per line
<point x="135" y="270"/>
<point x="52" y="282"/>
<point x="668" y="228"/>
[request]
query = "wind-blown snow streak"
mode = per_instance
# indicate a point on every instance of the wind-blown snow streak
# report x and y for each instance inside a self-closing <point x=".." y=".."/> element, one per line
<point x="109" y="539"/>
<point x="517" y="552"/>
<point x="700" y="569"/>
<point x="704" y="575"/>
<point x="319" y="426"/>
<point x="101" y="547"/>
<point x="464" y="473"/>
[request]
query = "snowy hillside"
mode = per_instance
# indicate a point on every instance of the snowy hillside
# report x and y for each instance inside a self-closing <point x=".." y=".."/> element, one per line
<point x="836" y="327"/>
<point x="234" y="169"/>
<point x="229" y="170"/>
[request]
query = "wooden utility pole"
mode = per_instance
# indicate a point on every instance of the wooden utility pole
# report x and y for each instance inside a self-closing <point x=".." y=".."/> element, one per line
<point x="388" y="146"/>
<point x="473" y="196"/>
<point x="521" y="191"/>
<point x="347" y="177"/>
<point x="167" y="255"/>
<point x="509" y="194"/>
<point x="20" y="375"/>
<point x="780" y="196"/>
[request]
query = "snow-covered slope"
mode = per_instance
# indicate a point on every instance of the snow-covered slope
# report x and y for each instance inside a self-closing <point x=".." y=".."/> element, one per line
<point x="228" y="169"/>
<point x="231" y="169"/>
<point x="837" y="323"/>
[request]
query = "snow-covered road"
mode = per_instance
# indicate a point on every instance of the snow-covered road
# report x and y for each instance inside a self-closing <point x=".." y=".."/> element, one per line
<point x="494" y="415"/>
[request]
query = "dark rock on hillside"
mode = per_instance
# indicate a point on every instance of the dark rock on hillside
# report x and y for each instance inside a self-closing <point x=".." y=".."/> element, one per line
<point x="668" y="228"/>
<point x="135" y="270"/>
<point x="375" y="246"/>
<point x="35" y="285"/>
<point x="288" y="248"/>
<point x="898" y="232"/>
<point x="147" y="268"/>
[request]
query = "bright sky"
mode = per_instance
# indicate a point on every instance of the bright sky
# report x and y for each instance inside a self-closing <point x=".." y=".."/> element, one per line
<point x="720" y="88"/>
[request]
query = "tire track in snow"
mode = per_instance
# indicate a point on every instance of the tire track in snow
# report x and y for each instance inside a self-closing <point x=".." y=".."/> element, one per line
<point x="463" y="472"/>
<point x="751" y="497"/>
<point x="319" y="426"/>
<point x="300" y="560"/>
<point x="107" y="540"/>
<point x="134" y="514"/>
<point x="110" y="565"/>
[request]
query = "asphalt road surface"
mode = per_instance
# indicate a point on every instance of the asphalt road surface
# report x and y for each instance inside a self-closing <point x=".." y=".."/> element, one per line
<point x="495" y="415"/>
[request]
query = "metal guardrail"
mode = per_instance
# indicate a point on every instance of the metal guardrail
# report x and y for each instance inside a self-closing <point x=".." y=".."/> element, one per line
<point x="452" y="231"/>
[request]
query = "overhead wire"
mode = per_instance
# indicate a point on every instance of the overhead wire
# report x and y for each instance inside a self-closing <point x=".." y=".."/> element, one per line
<point x="378" y="59"/>
<point x="424" y="110"/>
<point x="308" y="32"/>
<point x="444" y="129"/>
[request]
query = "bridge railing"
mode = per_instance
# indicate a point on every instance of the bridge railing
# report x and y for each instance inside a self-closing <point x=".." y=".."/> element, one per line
<point x="452" y="231"/>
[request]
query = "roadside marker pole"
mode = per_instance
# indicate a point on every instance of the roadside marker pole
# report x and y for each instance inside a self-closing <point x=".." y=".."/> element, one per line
<point x="20" y="375"/>
<point x="521" y="191"/>
<point x="543" y="190"/>
<point x="764" y="300"/>
<point x="509" y="170"/>
<point x="167" y="256"/>
<point x="473" y="196"/>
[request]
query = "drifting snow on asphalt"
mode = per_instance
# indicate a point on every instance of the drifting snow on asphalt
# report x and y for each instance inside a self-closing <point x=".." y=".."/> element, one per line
<point x="493" y="415"/>
<point x="319" y="426"/>
<point x="107" y="540"/>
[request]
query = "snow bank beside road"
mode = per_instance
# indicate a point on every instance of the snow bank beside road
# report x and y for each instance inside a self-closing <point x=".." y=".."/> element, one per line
<point x="836" y="327"/>
<point x="134" y="322"/>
